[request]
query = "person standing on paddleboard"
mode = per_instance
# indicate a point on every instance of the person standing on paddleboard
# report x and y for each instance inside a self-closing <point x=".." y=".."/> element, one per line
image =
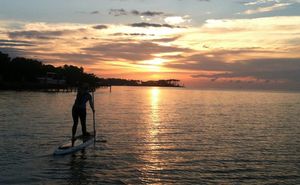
<point x="79" y="110"/>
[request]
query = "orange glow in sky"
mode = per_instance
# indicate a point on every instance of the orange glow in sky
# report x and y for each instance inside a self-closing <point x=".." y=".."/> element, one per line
<point x="258" y="42"/>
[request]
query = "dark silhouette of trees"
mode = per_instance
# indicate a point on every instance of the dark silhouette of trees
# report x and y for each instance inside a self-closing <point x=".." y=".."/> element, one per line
<point x="124" y="82"/>
<point x="23" y="73"/>
<point x="24" y="70"/>
<point x="119" y="82"/>
<point x="163" y="83"/>
<point x="4" y="62"/>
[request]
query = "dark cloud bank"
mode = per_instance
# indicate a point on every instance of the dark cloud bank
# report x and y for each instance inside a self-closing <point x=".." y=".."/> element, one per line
<point x="132" y="51"/>
<point x="35" y="34"/>
<point x="123" y="12"/>
<point x="145" y="24"/>
<point x="269" y="70"/>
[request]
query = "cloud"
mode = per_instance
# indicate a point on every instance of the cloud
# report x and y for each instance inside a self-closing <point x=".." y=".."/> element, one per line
<point x="117" y="12"/>
<point x="95" y="12"/>
<point x="258" y="68"/>
<point x="146" y="13"/>
<point x="145" y="24"/>
<point x="13" y="52"/>
<point x="262" y="2"/>
<point x="233" y="34"/>
<point x="100" y="27"/>
<point x="220" y="50"/>
<point x="131" y="34"/>
<point x="79" y="43"/>
<point x="177" y="19"/>
<point x="123" y="12"/>
<point x="258" y="2"/>
<point x="131" y="51"/>
<point x="15" y="43"/>
<point x="168" y="39"/>
<point x="36" y="34"/>
<point x="73" y="58"/>
<point x="277" y="6"/>
<point x="263" y="6"/>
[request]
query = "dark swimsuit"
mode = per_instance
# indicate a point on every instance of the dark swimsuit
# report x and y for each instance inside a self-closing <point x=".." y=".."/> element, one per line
<point x="79" y="110"/>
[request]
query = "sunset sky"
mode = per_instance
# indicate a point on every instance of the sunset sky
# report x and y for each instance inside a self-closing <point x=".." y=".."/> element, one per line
<point x="204" y="43"/>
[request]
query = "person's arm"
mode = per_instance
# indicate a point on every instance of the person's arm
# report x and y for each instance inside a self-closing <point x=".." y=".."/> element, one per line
<point x="91" y="101"/>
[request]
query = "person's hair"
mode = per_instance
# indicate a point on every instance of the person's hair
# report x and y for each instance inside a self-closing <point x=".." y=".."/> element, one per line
<point x="84" y="87"/>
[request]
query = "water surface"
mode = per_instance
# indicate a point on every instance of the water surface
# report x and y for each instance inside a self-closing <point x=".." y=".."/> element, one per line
<point x="154" y="136"/>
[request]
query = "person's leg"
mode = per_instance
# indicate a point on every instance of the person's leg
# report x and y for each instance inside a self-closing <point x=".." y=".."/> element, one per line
<point x="82" y="117"/>
<point x="75" y="116"/>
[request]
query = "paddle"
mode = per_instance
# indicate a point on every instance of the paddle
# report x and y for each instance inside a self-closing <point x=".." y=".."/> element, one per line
<point x="94" y="122"/>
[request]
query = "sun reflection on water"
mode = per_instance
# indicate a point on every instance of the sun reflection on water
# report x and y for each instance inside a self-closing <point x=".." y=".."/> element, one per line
<point x="154" y="121"/>
<point x="155" y="97"/>
<point x="152" y="161"/>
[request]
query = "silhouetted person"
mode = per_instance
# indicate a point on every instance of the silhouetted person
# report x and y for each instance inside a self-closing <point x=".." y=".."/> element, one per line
<point x="79" y="110"/>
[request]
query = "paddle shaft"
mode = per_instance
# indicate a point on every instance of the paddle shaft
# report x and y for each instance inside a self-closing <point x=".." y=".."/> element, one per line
<point x="94" y="122"/>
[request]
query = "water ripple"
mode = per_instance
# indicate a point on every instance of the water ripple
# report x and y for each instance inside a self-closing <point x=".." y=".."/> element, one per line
<point x="154" y="136"/>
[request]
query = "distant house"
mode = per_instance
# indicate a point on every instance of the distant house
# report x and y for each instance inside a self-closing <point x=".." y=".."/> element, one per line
<point x="52" y="79"/>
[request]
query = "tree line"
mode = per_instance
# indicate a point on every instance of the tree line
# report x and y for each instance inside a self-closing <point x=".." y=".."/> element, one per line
<point x="22" y="72"/>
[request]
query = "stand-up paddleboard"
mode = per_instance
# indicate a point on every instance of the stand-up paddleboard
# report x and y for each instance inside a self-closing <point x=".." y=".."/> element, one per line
<point x="79" y="144"/>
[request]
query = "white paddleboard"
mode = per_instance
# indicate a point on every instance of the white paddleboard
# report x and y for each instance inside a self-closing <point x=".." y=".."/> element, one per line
<point x="79" y="144"/>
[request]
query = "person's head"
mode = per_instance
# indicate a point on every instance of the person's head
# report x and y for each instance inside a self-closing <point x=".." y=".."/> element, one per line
<point x="83" y="88"/>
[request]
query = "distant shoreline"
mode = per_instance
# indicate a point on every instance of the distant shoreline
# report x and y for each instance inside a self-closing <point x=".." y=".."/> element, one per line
<point x="32" y="75"/>
<point x="62" y="88"/>
<point x="74" y="89"/>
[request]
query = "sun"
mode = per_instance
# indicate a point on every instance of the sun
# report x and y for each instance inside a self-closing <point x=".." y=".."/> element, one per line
<point x="153" y="65"/>
<point x="155" y="61"/>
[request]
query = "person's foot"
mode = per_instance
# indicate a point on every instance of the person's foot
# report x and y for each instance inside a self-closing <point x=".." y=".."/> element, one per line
<point x="73" y="141"/>
<point x="86" y="136"/>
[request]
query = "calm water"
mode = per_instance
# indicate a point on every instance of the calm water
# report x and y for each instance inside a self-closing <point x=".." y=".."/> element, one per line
<point x="154" y="136"/>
